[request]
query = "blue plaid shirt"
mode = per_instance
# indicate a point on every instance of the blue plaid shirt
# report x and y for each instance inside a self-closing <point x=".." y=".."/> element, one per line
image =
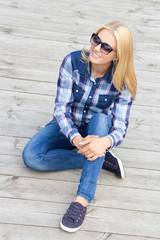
<point x="80" y="96"/>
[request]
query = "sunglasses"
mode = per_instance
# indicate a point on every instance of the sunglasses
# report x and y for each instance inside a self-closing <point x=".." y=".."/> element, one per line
<point x="105" y="47"/>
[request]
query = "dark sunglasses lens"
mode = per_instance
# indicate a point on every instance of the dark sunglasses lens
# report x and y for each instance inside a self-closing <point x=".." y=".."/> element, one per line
<point x="105" y="48"/>
<point x="95" y="40"/>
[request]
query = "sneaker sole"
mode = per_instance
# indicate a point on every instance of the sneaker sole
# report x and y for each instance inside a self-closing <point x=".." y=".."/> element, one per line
<point x="120" y="166"/>
<point x="69" y="229"/>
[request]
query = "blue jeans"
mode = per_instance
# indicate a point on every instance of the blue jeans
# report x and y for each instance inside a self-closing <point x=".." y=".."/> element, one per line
<point x="50" y="150"/>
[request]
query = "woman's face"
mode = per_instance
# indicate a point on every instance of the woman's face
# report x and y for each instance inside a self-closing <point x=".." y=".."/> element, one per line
<point x="96" y="56"/>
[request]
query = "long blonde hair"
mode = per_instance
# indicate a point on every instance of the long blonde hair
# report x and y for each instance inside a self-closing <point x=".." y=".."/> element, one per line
<point x="123" y="70"/>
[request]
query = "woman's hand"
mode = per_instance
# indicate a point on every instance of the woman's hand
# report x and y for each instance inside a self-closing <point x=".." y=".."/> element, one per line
<point x="94" y="147"/>
<point x="79" y="139"/>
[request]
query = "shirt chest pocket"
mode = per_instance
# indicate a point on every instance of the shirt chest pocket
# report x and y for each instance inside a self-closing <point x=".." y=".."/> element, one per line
<point x="77" y="92"/>
<point x="104" y="101"/>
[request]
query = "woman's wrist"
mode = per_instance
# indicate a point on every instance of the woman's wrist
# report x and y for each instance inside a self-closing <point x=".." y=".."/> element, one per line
<point x="76" y="140"/>
<point x="107" y="142"/>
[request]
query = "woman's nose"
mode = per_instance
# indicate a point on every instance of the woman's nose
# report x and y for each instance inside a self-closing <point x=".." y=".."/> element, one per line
<point x="98" y="48"/>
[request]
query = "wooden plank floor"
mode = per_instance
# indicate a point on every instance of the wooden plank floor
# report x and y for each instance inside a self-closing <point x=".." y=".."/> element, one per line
<point x="34" y="38"/>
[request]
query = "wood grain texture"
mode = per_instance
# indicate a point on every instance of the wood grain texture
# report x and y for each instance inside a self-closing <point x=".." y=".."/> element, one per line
<point x="48" y="214"/>
<point x="27" y="232"/>
<point x="35" y="36"/>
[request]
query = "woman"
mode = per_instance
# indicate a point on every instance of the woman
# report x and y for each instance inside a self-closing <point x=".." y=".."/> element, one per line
<point x="95" y="92"/>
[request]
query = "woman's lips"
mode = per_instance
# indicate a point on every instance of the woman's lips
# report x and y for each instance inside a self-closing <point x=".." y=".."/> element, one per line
<point x="95" y="55"/>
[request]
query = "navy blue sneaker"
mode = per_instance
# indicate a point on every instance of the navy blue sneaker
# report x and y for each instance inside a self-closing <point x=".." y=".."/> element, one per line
<point x="73" y="218"/>
<point x="113" y="164"/>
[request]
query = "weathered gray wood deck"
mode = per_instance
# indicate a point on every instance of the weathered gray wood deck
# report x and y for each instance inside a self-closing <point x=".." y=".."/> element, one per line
<point x="34" y="38"/>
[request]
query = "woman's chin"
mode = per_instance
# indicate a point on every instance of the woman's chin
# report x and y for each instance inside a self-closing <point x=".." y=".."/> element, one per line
<point x="94" y="60"/>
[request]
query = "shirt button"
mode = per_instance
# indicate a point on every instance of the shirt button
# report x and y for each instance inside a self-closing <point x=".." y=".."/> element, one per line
<point x="90" y="96"/>
<point x="105" y="99"/>
<point x="84" y="111"/>
<point x="77" y="90"/>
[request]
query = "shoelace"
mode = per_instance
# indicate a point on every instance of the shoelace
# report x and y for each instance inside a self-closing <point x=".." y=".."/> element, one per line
<point x="74" y="212"/>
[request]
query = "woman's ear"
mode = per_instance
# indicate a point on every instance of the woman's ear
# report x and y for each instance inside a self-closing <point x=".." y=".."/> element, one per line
<point x="116" y="58"/>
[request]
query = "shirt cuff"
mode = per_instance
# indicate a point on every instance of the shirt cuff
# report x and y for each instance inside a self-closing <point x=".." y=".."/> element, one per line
<point x="112" y="142"/>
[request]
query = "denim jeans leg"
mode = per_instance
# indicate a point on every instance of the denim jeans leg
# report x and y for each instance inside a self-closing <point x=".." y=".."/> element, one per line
<point x="100" y="125"/>
<point x="50" y="150"/>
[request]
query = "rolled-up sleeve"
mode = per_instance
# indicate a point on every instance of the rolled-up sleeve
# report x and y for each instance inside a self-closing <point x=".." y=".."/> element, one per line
<point x="64" y="100"/>
<point x="120" y="114"/>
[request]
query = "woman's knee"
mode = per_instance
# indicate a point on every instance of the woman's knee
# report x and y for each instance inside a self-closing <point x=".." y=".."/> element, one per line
<point x="26" y="155"/>
<point x="100" y="124"/>
<point x="101" y="118"/>
<point x="29" y="156"/>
